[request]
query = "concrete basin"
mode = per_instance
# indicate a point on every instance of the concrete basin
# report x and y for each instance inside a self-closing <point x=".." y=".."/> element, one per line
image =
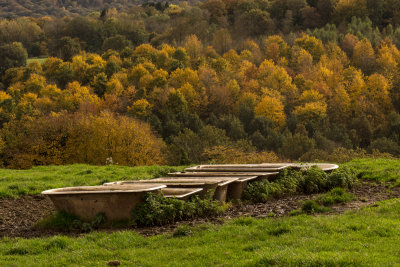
<point x="235" y="189"/>
<point x="327" y="167"/>
<point x="240" y="175"/>
<point x="87" y="201"/>
<point x="219" y="185"/>
<point x="238" y="168"/>
<point x="180" y="193"/>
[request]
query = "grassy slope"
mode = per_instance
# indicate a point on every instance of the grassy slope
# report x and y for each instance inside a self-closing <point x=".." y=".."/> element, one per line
<point x="39" y="59"/>
<point x="367" y="237"/>
<point x="35" y="180"/>
<point x="386" y="170"/>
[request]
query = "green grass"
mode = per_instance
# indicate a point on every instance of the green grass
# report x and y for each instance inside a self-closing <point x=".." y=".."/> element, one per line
<point x="368" y="237"/>
<point x="40" y="59"/>
<point x="385" y="170"/>
<point x="19" y="182"/>
<point x="335" y="196"/>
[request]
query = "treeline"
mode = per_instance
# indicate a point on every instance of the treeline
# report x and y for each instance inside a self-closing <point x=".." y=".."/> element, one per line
<point x="214" y="22"/>
<point x="283" y="14"/>
<point x="182" y="84"/>
<point x="300" y="101"/>
<point x="223" y="24"/>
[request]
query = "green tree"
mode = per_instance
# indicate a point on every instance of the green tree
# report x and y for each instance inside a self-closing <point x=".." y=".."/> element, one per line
<point x="11" y="56"/>
<point x="66" y="48"/>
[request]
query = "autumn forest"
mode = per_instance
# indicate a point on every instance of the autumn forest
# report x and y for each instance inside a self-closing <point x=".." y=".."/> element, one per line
<point x="189" y="82"/>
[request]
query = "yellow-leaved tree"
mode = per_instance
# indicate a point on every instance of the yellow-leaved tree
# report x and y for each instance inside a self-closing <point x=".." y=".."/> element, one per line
<point x="313" y="106"/>
<point x="92" y="139"/>
<point x="271" y="107"/>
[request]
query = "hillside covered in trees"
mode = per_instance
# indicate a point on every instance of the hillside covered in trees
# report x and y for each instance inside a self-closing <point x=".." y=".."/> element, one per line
<point x="212" y="81"/>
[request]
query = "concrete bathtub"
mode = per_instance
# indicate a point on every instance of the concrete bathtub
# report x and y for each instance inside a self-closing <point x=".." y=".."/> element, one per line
<point x="180" y="193"/>
<point x="219" y="185"/>
<point x="87" y="201"/>
<point x="238" y="168"/>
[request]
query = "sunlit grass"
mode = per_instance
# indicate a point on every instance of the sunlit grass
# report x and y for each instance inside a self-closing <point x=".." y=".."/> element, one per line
<point x="39" y="59"/>
<point x="385" y="170"/>
<point x="37" y="179"/>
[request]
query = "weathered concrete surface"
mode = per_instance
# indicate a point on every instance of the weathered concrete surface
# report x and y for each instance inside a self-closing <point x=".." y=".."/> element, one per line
<point x="241" y="175"/>
<point x="220" y="185"/>
<point x="327" y="167"/>
<point x="181" y="193"/>
<point x="237" y="168"/>
<point x="87" y="201"/>
<point x="235" y="189"/>
<point x="262" y="167"/>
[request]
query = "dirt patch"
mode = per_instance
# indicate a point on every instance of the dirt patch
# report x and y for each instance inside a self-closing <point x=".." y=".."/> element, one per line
<point x="18" y="216"/>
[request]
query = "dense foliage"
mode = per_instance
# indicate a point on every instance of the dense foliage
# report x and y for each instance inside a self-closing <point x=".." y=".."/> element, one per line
<point x="159" y="210"/>
<point x="309" y="181"/>
<point x="219" y="81"/>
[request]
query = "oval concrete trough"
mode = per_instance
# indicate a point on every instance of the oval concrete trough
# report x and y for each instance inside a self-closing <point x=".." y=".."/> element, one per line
<point x="235" y="189"/>
<point x="240" y="175"/>
<point x="87" y="201"/>
<point x="236" y="168"/>
<point x="327" y="167"/>
<point x="180" y="193"/>
<point x="219" y="185"/>
<point x="262" y="167"/>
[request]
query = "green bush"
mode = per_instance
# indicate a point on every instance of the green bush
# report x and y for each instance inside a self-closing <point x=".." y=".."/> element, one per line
<point x="314" y="180"/>
<point x="344" y="177"/>
<point x="289" y="181"/>
<point x="262" y="191"/>
<point x="159" y="210"/>
<point x="335" y="196"/>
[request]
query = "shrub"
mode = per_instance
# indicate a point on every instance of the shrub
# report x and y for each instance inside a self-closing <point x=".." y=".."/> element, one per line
<point x="262" y="191"/>
<point x="343" y="177"/>
<point x="289" y="181"/>
<point x="314" y="180"/>
<point x="159" y="210"/>
<point x="335" y="196"/>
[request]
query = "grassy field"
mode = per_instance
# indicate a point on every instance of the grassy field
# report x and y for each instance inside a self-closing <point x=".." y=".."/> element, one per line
<point x="40" y="59"/>
<point x="369" y="237"/>
<point x="37" y="179"/>
<point x="384" y="170"/>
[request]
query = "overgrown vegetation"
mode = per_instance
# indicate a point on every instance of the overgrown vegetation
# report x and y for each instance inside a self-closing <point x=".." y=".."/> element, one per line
<point x="159" y="210"/>
<point x="66" y="222"/>
<point x="312" y="180"/>
<point x="324" y="202"/>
